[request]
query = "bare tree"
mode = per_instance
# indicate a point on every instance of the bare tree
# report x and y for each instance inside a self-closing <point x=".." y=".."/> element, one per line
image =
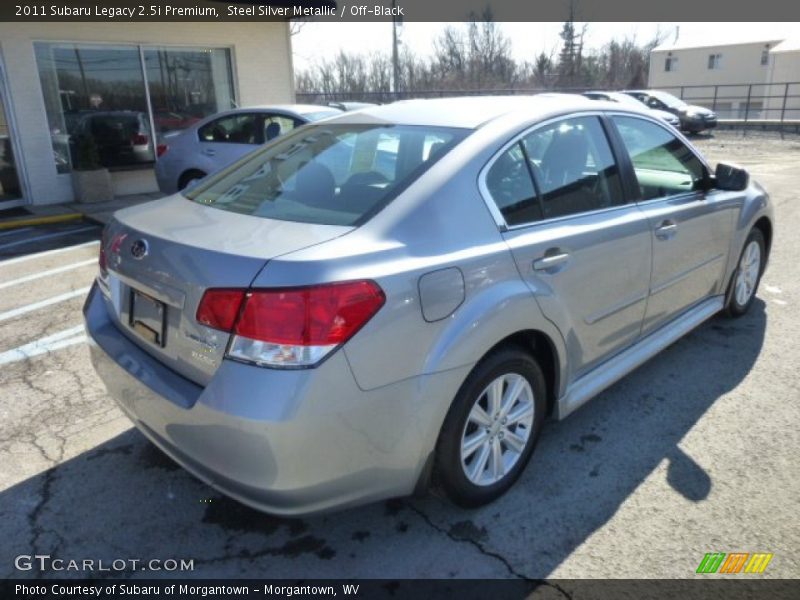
<point x="477" y="57"/>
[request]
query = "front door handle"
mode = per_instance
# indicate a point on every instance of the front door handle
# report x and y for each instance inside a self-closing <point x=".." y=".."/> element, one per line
<point x="550" y="261"/>
<point x="209" y="152"/>
<point x="666" y="230"/>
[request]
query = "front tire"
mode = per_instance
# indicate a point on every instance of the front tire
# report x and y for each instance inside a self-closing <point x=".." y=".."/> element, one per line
<point x="491" y="429"/>
<point x="746" y="277"/>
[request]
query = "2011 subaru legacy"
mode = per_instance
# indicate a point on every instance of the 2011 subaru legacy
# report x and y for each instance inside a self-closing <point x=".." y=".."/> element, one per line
<point x="404" y="294"/>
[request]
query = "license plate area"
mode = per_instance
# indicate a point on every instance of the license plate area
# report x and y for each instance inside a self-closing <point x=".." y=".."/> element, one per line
<point x="148" y="317"/>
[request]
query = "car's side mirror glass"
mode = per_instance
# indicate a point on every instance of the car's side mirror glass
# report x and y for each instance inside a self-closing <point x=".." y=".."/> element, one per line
<point x="731" y="177"/>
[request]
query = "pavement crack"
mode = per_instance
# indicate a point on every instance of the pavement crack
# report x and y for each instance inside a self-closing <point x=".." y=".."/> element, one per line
<point x="490" y="553"/>
<point x="37" y="530"/>
<point x="475" y="543"/>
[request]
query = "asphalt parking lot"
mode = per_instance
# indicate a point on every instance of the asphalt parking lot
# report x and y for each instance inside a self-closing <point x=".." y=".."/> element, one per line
<point x="695" y="452"/>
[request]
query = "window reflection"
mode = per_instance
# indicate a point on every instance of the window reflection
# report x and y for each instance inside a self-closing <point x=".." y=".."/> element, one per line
<point x="99" y="91"/>
<point x="187" y="84"/>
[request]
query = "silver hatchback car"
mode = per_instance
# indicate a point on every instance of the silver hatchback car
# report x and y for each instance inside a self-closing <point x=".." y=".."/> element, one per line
<point x="402" y="295"/>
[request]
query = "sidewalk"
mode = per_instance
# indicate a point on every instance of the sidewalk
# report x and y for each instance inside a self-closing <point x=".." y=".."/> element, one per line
<point x="100" y="212"/>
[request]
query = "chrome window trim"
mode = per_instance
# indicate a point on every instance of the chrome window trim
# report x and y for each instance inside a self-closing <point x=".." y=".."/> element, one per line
<point x="491" y="205"/>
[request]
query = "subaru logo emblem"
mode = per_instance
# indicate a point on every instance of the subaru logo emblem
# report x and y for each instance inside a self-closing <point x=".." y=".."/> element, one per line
<point x="139" y="249"/>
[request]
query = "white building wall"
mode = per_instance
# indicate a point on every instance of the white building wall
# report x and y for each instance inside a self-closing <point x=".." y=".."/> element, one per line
<point x="262" y="74"/>
<point x="740" y="70"/>
<point x="740" y="63"/>
<point x="785" y="69"/>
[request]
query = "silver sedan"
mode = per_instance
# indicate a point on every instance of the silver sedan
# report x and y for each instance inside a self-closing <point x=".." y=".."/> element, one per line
<point x="190" y="154"/>
<point x="403" y="295"/>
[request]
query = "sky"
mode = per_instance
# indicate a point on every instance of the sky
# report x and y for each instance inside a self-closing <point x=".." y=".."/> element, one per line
<point x="316" y="41"/>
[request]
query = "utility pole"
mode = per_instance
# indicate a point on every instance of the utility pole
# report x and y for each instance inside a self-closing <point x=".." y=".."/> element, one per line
<point x="395" y="62"/>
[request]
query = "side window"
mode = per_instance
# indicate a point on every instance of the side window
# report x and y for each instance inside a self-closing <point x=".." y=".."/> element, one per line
<point x="277" y="125"/>
<point x="663" y="164"/>
<point x="573" y="167"/>
<point x="509" y="183"/>
<point x="233" y="129"/>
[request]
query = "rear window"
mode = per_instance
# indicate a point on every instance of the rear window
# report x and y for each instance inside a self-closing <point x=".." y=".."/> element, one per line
<point x="335" y="174"/>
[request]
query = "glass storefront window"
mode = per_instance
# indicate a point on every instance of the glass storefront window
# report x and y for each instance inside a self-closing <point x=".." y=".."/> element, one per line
<point x="187" y="84"/>
<point x="100" y="91"/>
<point x="9" y="181"/>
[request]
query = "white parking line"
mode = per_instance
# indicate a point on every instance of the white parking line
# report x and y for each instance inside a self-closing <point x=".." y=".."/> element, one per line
<point x="47" y="273"/>
<point x="10" y="314"/>
<point x="62" y="339"/>
<point x="13" y="231"/>
<point x="47" y="236"/>
<point x="19" y="259"/>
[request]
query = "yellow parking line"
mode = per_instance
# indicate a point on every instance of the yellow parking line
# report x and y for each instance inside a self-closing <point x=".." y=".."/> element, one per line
<point x="42" y="220"/>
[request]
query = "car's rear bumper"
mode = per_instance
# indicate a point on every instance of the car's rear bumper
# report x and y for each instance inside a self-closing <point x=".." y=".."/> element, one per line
<point x="288" y="442"/>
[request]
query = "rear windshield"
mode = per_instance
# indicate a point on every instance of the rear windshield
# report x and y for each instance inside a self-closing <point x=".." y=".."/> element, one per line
<point x="331" y="174"/>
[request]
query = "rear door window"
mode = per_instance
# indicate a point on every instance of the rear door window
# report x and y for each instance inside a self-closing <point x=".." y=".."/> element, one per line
<point x="573" y="167"/>
<point x="510" y="184"/>
<point x="559" y="169"/>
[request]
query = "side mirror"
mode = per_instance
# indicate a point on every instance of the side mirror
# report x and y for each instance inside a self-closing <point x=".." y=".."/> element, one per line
<point x="732" y="178"/>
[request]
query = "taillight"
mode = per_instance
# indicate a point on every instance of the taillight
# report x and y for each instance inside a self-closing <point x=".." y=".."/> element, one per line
<point x="291" y="327"/>
<point x="138" y="139"/>
<point x="219" y="308"/>
<point x="161" y="149"/>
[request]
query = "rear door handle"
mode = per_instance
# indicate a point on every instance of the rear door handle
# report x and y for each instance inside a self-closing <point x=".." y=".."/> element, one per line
<point x="666" y="230"/>
<point x="550" y="261"/>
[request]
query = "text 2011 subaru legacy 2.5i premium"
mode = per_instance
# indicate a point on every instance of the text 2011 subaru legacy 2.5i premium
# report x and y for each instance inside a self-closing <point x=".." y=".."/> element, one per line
<point x="403" y="295"/>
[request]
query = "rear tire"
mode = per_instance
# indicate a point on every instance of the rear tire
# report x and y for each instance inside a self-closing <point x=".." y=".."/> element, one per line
<point x="747" y="275"/>
<point x="491" y="429"/>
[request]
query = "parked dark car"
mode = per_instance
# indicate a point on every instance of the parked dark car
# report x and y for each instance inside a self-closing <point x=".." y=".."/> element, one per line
<point x="122" y="137"/>
<point x="694" y="119"/>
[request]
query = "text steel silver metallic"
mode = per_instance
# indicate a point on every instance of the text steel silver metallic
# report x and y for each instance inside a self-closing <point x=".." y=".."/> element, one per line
<point x="400" y="296"/>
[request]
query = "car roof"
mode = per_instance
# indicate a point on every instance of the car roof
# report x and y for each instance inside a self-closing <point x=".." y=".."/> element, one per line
<point x="468" y="112"/>
<point x="298" y="109"/>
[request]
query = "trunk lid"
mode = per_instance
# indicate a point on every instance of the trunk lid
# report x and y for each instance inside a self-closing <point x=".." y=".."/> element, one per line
<point x="163" y="255"/>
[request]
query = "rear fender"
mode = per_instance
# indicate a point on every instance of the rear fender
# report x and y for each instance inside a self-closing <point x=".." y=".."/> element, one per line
<point x="486" y="319"/>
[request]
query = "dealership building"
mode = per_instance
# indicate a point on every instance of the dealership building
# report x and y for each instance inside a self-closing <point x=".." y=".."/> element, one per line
<point x="125" y="84"/>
